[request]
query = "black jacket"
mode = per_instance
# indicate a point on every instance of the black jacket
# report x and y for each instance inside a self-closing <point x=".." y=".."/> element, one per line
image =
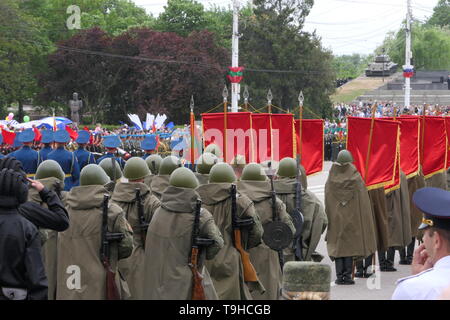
<point x="54" y="218"/>
<point x="21" y="264"/>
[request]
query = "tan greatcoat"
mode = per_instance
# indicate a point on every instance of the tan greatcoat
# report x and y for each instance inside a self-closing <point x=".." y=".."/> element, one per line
<point x="399" y="215"/>
<point x="202" y="178"/>
<point x="315" y="219"/>
<point x="415" y="183"/>
<point x="264" y="259"/>
<point x="167" y="272"/>
<point x="49" y="243"/>
<point x="132" y="268"/>
<point x="81" y="275"/>
<point x="159" y="184"/>
<point x="351" y="225"/>
<point x="226" y="268"/>
<point x="438" y="180"/>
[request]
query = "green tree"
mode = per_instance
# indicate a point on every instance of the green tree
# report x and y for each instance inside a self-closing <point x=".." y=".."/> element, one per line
<point x="182" y="17"/>
<point x="441" y="14"/>
<point x="279" y="56"/>
<point x="350" y="66"/>
<point x="22" y="51"/>
<point x="430" y="47"/>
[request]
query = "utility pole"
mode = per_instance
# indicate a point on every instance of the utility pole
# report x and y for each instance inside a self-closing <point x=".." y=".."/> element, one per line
<point x="408" y="55"/>
<point x="235" y="87"/>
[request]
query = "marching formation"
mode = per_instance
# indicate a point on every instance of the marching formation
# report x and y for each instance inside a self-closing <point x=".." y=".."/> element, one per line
<point x="149" y="227"/>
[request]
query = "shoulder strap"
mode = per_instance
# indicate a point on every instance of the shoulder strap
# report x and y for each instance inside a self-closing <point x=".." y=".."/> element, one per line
<point x="73" y="161"/>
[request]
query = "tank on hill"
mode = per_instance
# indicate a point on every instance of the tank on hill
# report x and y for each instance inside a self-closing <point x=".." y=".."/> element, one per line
<point x="382" y="66"/>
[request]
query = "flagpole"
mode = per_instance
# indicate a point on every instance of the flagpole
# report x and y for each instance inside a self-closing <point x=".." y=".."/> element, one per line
<point x="372" y="123"/>
<point x="192" y="119"/>
<point x="300" y="116"/>
<point x="269" y="105"/>
<point x="225" y="123"/>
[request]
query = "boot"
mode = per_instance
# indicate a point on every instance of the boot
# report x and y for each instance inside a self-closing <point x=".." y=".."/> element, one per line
<point x="382" y="260"/>
<point x="339" y="262"/>
<point x="390" y="255"/>
<point x="367" y="264"/>
<point x="359" y="269"/>
<point x="410" y="251"/>
<point x="402" y="252"/>
<point x="348" y="270"/>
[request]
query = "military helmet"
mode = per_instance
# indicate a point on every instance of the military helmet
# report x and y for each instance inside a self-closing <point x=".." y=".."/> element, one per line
<point x="214" y="149"/>
<point x="222" y="172"/>
<point x="168" y="165"/>
<point x="107" y="165"/>
<point x="135" y="168"/>
<point x="287" y="168"/>
<point x="254" y="172"/>
<point x="183" y="178"/>
<point x="238" y="161"/>
<point x="153" y="162"/>
<point x="344" y="156"/>
<point x="93" y="174"/>
<point x="50" y="168"/>
<point x="205" y="162"/>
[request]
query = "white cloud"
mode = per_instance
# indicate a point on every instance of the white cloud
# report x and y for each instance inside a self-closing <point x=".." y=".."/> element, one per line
<point x="346" y="26"/>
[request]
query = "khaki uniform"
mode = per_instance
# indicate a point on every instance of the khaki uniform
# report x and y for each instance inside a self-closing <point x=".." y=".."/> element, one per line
<point x="159" y="184"/>
<point x="351" y="223"/>
<point x="79" y="246"/>
<point x="50" y="242"/>
<point x="167" y="272"/>
<point x="438" y="180"/>
<point x="264" y="259"/>
<point x="226" y="268"/>
<point x="132" y="268"/>
<point x="399" y="216"/>
<point x="315" y="219"/>
<point x="202" y="178"/>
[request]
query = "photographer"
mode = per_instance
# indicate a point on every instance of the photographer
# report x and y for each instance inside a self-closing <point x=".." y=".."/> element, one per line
<point x="22" y="274"/>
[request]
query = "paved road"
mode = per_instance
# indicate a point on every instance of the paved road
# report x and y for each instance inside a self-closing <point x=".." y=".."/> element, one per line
<point x="378" y="287"/>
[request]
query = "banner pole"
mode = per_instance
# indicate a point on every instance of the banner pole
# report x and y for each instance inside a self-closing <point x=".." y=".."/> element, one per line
<point x="225" y="123"/>
<point x="372" y="123"/>
<point x="192" y="133"/>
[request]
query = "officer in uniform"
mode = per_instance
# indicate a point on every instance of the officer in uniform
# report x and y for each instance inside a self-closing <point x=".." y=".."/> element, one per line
<point x="26" y="155"/>
<point x="111" y="143"/>
<point x="47" y="140"/>
<point x="148" y="145"/>
<point x="84" y="157"/>
<point x="66" y="160"/>
<point x="431" y="261"/>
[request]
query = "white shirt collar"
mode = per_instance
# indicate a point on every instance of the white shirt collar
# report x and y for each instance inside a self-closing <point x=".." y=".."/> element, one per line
<point x="442" y="262"/>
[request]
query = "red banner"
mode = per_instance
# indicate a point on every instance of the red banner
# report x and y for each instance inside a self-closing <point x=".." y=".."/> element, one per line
<point x="409" y="144"/>
<point x="8" y="137"/>
<point x="262" y="140"/>
<point x="239" y="133"/>
<point x="383" y="152"/>
<point x="312" y="144"/>
<point x="283" y="143"/>
<point x="433" y="145"/>
<point x="447" y="129"/>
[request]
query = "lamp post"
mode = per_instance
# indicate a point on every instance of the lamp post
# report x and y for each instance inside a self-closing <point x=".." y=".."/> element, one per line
<point x="246" y="96"/>
<point x="225" y="122"/>
<point x="269" y="100"/>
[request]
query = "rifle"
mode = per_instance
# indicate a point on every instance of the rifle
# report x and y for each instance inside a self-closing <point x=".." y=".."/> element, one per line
<point x="143" y="225"/>
<point x="198" y="292"/>
<point x="275" y="217"/>
<point x="58" y="190"/>
<point x="297" y="216"/>
<point x="236" y="223"/>
<point x="112" y="292"/>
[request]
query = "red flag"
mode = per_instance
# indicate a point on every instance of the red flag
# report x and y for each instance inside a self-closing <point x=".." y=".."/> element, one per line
<point x="73" y="134"/>
<point x="383" y="153"/>
<point x="239" y="133"/>
<point x="312" y="144"/>
<point x="8" y="137"/>
<point x="433" y="146"/>
<point x="447" y="128"/>
<point x="262" y="140"/>
<point x="37" y="134"/>
<point x="86" y="128"/>
<point x="283" y="135"/>
<point x="409" y="145"/>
